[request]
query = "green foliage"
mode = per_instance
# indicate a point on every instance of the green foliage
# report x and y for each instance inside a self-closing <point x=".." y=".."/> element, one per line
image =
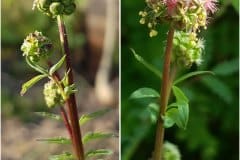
<point x="96" y="135"/>
<point x="190" y="75"/>
<point x="56" y="66"/>
<point x="30" y="83"/>
<point x="49" y="115"/>
<point x="149" y="66"/>
<point x="98" y="152"/>
<point x="226" y="68"/>
<point x="144" y="93"/>
<point x="55" y="140"/>
<point x="64" y="156"/>
<point x="87" y="117"/>
<point x="213" y="125"/>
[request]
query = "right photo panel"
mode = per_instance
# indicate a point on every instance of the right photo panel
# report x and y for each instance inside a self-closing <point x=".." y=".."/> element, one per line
<point x="179" y="80"/>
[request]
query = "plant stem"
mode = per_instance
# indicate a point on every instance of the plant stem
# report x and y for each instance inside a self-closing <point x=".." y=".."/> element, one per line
<point x="66" y="122"/>
<point x="157" y="154"/>
<point x="57" y="79"/>
<point x="71" y="101"/>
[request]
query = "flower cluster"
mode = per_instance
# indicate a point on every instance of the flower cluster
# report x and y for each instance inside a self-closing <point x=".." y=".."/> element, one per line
<point x="171" y="152"/>
<point x="36" y="46"/>
<point x="187" y="48"/>
<point x="187" y="15"/>
<point x="52" y="94"/>
<point x="53" y="8"/>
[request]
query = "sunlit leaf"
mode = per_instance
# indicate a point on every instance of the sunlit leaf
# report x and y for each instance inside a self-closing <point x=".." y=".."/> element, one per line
<point x="153" y="109"/>
<point x="178" y="113"/>
<point x="180" y="96"/>
<point x="144" y="93"/>
<point x="64" y="156"/>
<point x="57" y="65"/>
<point x="49" y="115"/>
<point x="191" y="74"/>
<point x="146" y="64"/>
<point x="87" y="117"/>
<point x="97" y="135"/>
<point x="98" y="152"/>
<point x="30" y="83"/>
<point x="56" y="140"/>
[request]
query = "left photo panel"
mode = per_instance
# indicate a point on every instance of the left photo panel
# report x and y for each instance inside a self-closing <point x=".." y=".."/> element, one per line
<point x="60" y="80"/>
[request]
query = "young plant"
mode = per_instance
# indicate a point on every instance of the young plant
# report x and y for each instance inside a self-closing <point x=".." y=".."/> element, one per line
<point x="60" y="91"/>
<point x="183" y="48"/>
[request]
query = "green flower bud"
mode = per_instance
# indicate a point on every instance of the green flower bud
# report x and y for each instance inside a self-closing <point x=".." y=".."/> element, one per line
<point x="69" y="9"/>
<point x="187" y="49"/>
<point x="56" y="8"/>
<point x="171" y="152"/>
<point x="52" y="94"/>
<point x="36" y="46"/>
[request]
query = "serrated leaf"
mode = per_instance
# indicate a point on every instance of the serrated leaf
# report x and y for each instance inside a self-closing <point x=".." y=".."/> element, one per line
<point x="178" y="113"/>
<point x="56" y="140"/>
<point x="98" y="152"/>
<point x="64" y="156"/>
<point x="30" y="83"/>
<point x="153" y="109"/>
<point x="146" y="64"/>
<point x="87" y="117"/>
<point x="96" y="135"/>
<point x="219" y="88"/>
<point x="226" y="68"/>
<point x="180" y="96"/>
<point x="191" y="74"/>
<point x="144" y="93"/>
<point x="49" y="115"/>
<point x="57" y="65"/>
<point x="36" y="67"/>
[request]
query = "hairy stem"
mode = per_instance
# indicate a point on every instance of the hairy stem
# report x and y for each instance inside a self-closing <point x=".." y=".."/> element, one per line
<point x="165" y="92"/>
<point x="71" y="101"/>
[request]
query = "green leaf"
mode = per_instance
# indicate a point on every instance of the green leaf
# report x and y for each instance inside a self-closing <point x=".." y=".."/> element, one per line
<point x="56" y="140"/>
<point x="153" y="109"/>
<point x="146" y="64"/>
<point x="30" y="83"/>
<point x="36" y="67"/>
<point x="235" y="4"/>
<point x="219" y="88"/>
<point x="57" y="65"/>
<point x="98" y="152"/>
<point x="96" y="135"/>
<point x="87" y="117"/>
<point x="180" y="96"/>
<point x="226" y="68"/>
<point x="64" y="156"/>
<point x="49" y="115"/>
<point x="144" y="93"/>
<point x="178" y="113"/>
<point x="191" y="74"/>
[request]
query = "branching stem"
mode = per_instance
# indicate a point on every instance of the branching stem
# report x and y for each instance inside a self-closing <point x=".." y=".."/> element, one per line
<point x="71" y="101"/>
<point x="165" y="92"/>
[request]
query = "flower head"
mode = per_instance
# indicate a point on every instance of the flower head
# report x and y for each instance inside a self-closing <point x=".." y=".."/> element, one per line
<point x="36" y="46"/>
<point x="210" y="5"/>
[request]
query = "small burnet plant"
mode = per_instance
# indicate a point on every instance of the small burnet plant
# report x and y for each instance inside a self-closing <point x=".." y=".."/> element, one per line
<point x="58" y="91"/>
<point x="184" y="48"/>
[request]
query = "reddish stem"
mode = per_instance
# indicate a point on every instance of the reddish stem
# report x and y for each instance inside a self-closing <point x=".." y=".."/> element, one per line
<point x="71" y="101"/>
<point x="165" y="91"/>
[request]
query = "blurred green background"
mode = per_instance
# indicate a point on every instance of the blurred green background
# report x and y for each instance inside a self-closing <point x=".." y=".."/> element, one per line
<point x="213" y="129"/>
